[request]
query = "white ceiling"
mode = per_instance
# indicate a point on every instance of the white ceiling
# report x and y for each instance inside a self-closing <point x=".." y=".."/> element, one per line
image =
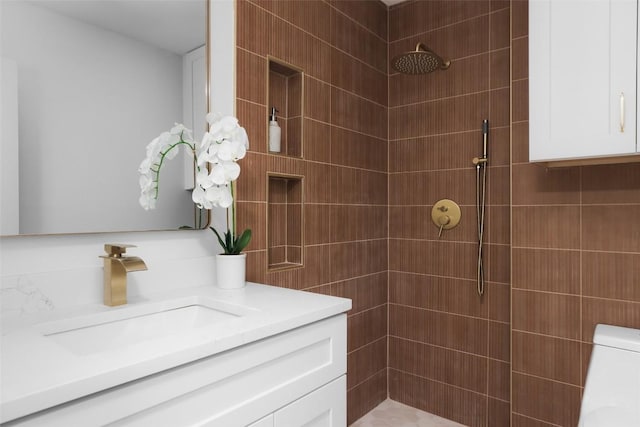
<point x="174" y="25"/>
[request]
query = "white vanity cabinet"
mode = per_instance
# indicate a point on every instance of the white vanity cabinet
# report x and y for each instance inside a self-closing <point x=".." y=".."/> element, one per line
<point x="295" y="378"/>
<point x="582" y="79"/>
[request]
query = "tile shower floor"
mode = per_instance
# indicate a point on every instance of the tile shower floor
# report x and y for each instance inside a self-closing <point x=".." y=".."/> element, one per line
<point x="393" y="414"/>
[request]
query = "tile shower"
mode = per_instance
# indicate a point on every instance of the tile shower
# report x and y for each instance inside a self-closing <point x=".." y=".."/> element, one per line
<point x="379" y="148"/>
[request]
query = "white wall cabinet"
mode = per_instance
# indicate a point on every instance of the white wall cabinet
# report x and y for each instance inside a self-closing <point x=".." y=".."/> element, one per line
<point x="297" y="378"/>
<point x="582" y="78"/>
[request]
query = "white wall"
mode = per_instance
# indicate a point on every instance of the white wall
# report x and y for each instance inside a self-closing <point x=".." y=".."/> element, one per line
<point x="90" y="100"/>
<point x="10" y="202"/>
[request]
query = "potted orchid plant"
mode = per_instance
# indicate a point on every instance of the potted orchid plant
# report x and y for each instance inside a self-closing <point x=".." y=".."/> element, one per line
<point x="215" y="160"/>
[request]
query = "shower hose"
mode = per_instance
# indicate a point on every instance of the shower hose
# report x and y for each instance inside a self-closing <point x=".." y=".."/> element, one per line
<point x="481" y="192"/>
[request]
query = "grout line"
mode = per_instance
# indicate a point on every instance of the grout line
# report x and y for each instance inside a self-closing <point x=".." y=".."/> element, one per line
<point x="450" y="313"/>
<point x="546" y="379"/>
<point x="446" y="98"/>
<point x="536" y="419"/>
<point x="468" y="353"/>
<point x="441" y="382"/>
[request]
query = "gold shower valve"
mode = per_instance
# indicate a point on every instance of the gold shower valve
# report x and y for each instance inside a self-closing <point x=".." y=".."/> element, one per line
<point x="445" y="214"/>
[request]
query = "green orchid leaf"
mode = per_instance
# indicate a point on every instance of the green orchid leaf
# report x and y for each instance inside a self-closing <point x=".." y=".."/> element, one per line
<point x="219" y="239"/>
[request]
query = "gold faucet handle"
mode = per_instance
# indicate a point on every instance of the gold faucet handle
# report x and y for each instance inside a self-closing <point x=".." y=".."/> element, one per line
<point x="116" y="250"/>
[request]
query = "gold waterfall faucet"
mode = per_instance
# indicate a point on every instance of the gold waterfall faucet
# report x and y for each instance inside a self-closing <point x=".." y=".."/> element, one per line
<point x="116" y="268"/>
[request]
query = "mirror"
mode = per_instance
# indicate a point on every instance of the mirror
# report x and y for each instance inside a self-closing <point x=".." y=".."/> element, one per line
<point x="86" y="85"/>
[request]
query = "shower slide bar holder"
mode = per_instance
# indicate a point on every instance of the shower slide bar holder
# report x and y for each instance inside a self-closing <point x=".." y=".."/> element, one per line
<point x="481" y="193"/>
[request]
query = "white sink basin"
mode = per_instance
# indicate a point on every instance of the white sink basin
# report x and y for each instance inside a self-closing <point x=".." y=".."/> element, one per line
<point x="125" y="326"/>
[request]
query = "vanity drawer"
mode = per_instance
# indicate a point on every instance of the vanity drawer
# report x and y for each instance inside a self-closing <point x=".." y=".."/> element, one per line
<point x="234" y="388"/>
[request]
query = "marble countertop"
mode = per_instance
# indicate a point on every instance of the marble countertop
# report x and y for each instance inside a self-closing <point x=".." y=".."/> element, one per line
<point x="38" y="372"/>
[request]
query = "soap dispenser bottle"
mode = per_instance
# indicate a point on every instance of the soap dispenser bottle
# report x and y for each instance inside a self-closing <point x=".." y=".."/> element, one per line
<point x="274" y="132"/>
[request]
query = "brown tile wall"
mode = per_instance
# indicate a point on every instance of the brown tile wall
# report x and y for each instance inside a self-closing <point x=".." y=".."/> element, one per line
<point x="449" y="348"/>
<point x="342" y="48"/>
<point x="576" y="258"/>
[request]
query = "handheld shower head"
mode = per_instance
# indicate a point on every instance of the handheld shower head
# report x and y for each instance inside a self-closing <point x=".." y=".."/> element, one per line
<point x="419" y="61"/>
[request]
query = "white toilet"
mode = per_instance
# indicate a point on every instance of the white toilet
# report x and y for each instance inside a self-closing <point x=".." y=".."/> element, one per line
<point x="612" y="391"/>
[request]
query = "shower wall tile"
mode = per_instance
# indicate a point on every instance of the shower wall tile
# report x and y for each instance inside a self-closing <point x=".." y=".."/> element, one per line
<point x="252" y="116"/>
<point x="253" y="71"/>
<point x="533" y="352"/>
<point x="358" y="186"/>
<point x="520" y="18"/>
<point x="609" y="312"/>
<point x="607" y="184"/>
<point x="414" y="222"/>
<point x="366" y="361"/>
<point x="520" y="142"/>
<point x="499" y="380"/>
<point x="546" y="270"/>
<point x="468" y="75"/>
<point x="447" y="401"/>
<point x="546" y="226"/>
<point x="499" y="341"/>
<point x="497" y="262"/>
<point x="444" y="294"/>
<point x="520" y="52"/>
<point x="441" y="329"/>
<point x="357" y="77"/>
<point x="555" y="402"/>
<point x="439" y="364"/>
<point x="426" y="188"/>
<point x="452" y="42"/>
<point x="522" y="421"/>
<point x="367" y="292"/>
<point x="316" y="141"/>
<point x="448" y="259"/>
<point x="434" y="133"/>
<point x="498" y="185"/>
<point x="498" y="38"/>
<point x="539" y="185"/>
<point x="497" y="224"/>
<point x="549" y="314"/>
<point x="499" y="413"/>
<point x="499" y="68"/>
<point x="357" y="41"/>
<point x="359" y="258"/>
<point x="349" y="148"/>
<point x="410" y="18"/>
<point x="437" y="152"/>
<point x="343" y="244"/>
<point x="366" y="396"/>
<point x="370" y="14"/>
<point x="459" y="114"/>
<point x="499" y="296"/>
<point x="253" y="32"/>
<point x="520" y="100"/>
<point x="359" y="222"/>
<point x="353" y="112"/>
<point x="611" y="275"/>
<point x="310" y="18"/>
<point x="619" y="233"/>
<point x="366" y="327"/>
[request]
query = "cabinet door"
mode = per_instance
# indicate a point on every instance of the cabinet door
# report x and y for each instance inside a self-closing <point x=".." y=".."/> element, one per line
<point x="582" y="78"/>
<point x="325" y="407"/>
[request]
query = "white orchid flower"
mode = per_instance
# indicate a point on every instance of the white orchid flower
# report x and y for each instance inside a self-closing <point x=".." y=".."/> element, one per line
<point x="215" y="157"/>
<point x="202" y="178"/>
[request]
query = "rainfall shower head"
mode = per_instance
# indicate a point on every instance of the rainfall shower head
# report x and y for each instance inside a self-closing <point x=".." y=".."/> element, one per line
<point x="419" y="61"/>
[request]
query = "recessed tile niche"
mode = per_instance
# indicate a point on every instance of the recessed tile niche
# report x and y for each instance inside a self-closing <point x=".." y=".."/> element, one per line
<point x="285" y="92"/>
<point x="284" y="220"/>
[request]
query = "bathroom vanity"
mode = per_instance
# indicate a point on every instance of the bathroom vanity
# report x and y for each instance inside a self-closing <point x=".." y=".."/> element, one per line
<point x="259" y="356"/>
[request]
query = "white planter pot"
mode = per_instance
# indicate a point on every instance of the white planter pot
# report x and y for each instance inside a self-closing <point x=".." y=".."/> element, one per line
<point x="231" y="271"/>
